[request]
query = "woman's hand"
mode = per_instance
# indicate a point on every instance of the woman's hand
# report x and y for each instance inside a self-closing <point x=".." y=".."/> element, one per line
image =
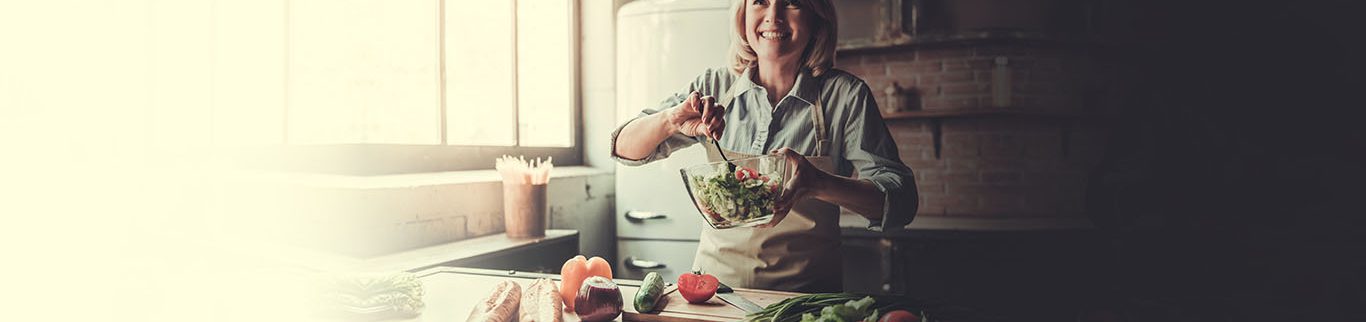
<point x="806" y="181"/>
<point x="697" y="116"/>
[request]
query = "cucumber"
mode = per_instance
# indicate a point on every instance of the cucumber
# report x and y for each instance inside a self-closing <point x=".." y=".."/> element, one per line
<point x="648" y="295"/>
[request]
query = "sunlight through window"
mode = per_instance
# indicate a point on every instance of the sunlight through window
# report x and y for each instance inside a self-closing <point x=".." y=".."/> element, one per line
<point x="479" y="64"/>
<point x="544" y="97"/>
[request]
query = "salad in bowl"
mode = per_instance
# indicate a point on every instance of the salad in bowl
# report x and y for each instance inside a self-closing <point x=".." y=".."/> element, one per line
<point x="743" y="197"/>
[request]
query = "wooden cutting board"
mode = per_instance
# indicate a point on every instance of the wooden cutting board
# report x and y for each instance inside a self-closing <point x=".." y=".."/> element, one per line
<point x="678" y="309"/>
<point x="452" y="293"/>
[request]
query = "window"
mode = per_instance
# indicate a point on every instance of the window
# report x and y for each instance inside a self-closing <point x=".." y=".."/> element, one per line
<point x="374" y="86"/>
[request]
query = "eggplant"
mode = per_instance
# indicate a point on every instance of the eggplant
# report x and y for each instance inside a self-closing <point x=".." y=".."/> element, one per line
<point x="598" y="300"/>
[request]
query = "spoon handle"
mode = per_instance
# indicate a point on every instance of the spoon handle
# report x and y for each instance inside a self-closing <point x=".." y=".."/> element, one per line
<point x="729" y="165"/>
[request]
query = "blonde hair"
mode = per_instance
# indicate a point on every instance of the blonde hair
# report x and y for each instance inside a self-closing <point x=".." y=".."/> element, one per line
<point x="819" y="55"/>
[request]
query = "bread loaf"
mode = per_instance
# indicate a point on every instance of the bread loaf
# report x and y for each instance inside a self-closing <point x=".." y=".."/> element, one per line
<point x="541" y="302"/>
<point x="500" y="306"/>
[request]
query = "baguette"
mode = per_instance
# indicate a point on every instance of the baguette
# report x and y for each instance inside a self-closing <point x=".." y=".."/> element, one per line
<point x="500" y="306"/>
<point x="541" y="302"/>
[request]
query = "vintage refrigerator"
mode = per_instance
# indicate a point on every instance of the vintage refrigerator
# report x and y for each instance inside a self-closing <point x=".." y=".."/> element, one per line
<point x="662" y="45"/>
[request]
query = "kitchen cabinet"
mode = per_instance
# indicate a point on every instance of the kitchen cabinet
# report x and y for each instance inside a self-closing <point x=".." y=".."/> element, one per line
<point x="658" y="208"/>
<point x="1028" y="273"/>
<point x="669" y="258"/>
<point x="656" y="221"/>
<point x="871" y="265"/>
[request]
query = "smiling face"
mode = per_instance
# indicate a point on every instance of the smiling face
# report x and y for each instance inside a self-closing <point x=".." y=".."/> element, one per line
<point x="777" y="30"/>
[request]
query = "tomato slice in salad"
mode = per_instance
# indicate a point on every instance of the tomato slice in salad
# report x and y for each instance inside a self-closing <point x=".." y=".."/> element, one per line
<point x="743" y="174"/>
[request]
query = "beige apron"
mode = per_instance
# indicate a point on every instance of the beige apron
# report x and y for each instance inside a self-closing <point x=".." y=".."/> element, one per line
<point x="800" y="254"/>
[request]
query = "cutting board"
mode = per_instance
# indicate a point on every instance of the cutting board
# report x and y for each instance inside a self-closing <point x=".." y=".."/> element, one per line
<point x="678" y="309"/>
<point x="451" y="294"/>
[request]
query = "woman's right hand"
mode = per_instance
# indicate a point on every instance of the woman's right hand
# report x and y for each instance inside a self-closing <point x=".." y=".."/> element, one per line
<point x="697" y="116"/>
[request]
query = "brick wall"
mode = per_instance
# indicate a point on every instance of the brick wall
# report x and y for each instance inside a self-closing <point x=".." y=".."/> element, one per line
<point x="960" y="76"/>
<point x="993" y="166"/>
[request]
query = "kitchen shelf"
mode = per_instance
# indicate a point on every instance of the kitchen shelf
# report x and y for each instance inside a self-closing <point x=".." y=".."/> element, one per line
<point x="993" y="37"/>
<point x="992" y="112"/>
<point x="1067" y="119"/>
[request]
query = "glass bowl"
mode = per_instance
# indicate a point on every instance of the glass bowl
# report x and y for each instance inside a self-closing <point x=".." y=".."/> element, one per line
<point x="740" y="198"/>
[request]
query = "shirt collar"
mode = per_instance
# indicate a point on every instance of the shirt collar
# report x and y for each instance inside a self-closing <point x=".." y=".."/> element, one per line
<point x="745" y="82"/>
<point x="807" y="88"/>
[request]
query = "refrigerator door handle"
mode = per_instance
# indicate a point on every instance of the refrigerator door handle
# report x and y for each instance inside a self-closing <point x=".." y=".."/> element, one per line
<point x="641" y="215"/>
<point x="636" y="263"/>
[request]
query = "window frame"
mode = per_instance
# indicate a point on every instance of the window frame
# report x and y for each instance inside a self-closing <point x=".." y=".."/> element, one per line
<point x="383" y="159"/>
<point x="386" y="159"/>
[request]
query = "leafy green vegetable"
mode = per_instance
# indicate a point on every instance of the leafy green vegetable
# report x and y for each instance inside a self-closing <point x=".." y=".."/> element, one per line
<point x="729" y="199"/>
<point x="848" y="312"/>
<point x="872" y="317"/>
<point x="824" y="307"/>
<point x="862" y="304"/>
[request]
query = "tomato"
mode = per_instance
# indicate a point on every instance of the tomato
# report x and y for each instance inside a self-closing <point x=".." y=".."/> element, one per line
<point x="577" y="269"/>
<point x="697" y="287"/>
<point x="899" y="316"/>
<point x="744" y="173"/>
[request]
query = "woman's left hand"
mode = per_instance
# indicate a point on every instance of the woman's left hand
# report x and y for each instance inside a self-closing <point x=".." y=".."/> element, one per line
<point x="805" y="181"/>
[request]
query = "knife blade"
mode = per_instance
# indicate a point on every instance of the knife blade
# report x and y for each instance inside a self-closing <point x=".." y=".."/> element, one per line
<point x="728" y="295"/>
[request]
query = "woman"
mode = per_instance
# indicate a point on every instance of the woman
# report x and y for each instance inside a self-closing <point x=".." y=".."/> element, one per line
<point x="782" y="95"/>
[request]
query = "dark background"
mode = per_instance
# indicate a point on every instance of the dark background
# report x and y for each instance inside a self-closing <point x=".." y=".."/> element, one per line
<point x="1244" y="166"/>
<point x="1217" y="146"/>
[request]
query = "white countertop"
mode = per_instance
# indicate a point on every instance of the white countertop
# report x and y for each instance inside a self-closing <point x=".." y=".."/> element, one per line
<point x="400" y="261"/>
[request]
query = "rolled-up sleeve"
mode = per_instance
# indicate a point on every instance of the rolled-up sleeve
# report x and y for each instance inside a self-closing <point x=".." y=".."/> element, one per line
<point x="670" y="144"/>
<point x="872" y="152"/>
<point x="707" y="83"/>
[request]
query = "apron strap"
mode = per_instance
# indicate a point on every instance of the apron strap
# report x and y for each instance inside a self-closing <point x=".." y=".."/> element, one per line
<point x="818" y="120"/>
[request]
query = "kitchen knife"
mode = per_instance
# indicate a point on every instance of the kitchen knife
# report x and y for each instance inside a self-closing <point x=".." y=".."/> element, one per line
<point x="728" y="295"/>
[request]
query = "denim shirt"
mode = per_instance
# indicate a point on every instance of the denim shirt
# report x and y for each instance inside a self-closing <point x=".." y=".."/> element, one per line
<point x="860" y="140"/>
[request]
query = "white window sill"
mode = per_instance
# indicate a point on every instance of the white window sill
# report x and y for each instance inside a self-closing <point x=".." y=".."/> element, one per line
<point x="402" y="180"/>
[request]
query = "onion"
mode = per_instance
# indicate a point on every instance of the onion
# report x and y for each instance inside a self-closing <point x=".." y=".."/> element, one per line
<point x="598" y="300"/>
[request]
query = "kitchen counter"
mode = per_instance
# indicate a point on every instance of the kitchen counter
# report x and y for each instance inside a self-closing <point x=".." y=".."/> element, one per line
<point x="451" y="294"/>
<point x="496" y="249"/>
<point x="937" y="256"/>
<point x="1018" y="265"/>
<point x="854" y="225"/>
